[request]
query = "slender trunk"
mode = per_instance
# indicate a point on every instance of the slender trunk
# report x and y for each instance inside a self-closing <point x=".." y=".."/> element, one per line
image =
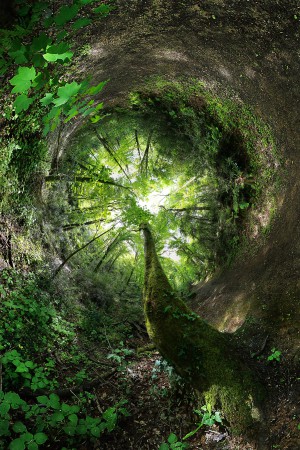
<point x="77" y="251"/>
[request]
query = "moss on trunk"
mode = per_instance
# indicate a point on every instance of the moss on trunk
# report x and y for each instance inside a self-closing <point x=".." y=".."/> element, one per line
<point x="198" y="352"/>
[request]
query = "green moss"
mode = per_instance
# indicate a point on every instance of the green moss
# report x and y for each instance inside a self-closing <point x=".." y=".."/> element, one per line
<point x="201" y="354"/>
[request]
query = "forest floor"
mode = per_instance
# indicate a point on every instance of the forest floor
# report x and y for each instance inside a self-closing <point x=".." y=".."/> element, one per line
<point x="159" y="403"/>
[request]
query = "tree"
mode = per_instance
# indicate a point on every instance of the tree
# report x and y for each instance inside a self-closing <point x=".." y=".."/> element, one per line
<point x="201" y="354"/>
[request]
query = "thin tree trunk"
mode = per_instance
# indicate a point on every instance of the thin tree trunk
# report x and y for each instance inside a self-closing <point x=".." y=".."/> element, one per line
<point x="110" y="246"/>
<point x="77" y="251"/>
<point x="111" y="153"/>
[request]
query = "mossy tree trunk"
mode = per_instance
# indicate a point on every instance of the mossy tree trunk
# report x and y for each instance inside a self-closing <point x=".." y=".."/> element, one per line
<point x="198" y="352"/>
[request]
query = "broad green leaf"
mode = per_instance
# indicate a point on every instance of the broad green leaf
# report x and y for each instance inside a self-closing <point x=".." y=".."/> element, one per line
<point x="61" y="35"/>
<point x="95" y="119"/>
<point x="4" y="427"/>
<point x="38" y="60"/>
<point x="57" y="52"/>
<point x="57" y="417"/>
<point x="73" y="418"/>
<point x="65" y="14"/>
<point x="22" y="103"/>
<point x="22" y="81"/>
<point x="29" y="364"/>
<point x="88" y="111"/>
<point x="65" y="407"/>
<point x="164" y="446"/>
<point x="72" y="113"/>
<point x="96" y="89"/>
<point x="39" y="81"/>
<point x="81" y="428"/>
<point x="54" y="112"/>
<point x="19" y="55"/>
<point x="87" y="2"/>
<point x="172" y="438"/>
<point x="40" y="42"/>
<point x="218" y="417"/>
<point x="19" y="427"/>
<point x="17" y="444"/>
<point x="40" y="438"/>
<point x="54" y="401"/>
<point x="47" y="99"/>
<point x="80" y="23"/>
<point x="4" y="408"/>
<point x="96" y="431"/>
<point x="66" y="92"/>
<point x="103" y="10"/>
<point x="27" y="437"/>
<point x="70" y="430"/>
<point x="43" y="399"/>
<point x="52" y="57"/>
<point x="32" y="446"/>
<point x="13" y="398"/>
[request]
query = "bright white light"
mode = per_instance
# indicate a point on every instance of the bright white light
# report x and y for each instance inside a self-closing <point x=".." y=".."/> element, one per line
<point x="154" y="200"/>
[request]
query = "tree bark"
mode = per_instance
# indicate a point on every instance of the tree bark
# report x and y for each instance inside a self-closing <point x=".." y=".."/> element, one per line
<point x="198" y="352"/>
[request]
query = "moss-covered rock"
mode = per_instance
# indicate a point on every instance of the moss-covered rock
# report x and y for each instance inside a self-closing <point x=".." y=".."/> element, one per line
<point x="198" y="352"/>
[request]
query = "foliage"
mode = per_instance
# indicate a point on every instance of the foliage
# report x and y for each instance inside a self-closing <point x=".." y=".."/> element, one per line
<point x="39" y="97"/>
<point x="173" y="443"/>
<point x="45" y="54"/>
<point x="119" y="354"/>
<point x="208" y="417"/>
<point x="26" y="426"/>
<point x="275" y="355"/>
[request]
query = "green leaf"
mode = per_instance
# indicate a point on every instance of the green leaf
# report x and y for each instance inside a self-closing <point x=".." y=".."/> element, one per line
<point x="172" y="438"/>
<point x="65" y="14"/>
<point x="19" y="55"/>
<point x="65" y="407"/>
<point x="81" y="428"/>
<point x="61" y="35"/>
<point x="95" y="119"/>
<point x="17" y="444"/>
<point x="22" y="103"/>
<point x="4" y="408"/>
<point x="29" y="364"/>
<point x="218" y="417"/>
<point x="45" y="101"/>
<point x="4" y="427"/>
<point x="96" y="431"/>
<point x="40" y="438"/>
<point x="54" y="401"/>
<point x="72" y="113"/>
<point x="80" y="23"/>
<point x="73" y="418"/>
<point x="40" y="42"/>
<point x="57" y="417"/>
<point x="32" y="446"/>
<point x="52" y="57"/>
<point x="66" y="92"/>
<point x="96" y="89"/>
<point x="43" y="399"/>
<point x="70" y="430"/>
<point x="22" y="81"/>
<point x="87" y="2"/>
<point x="19" y="427"/>
<point x="13" y="398"/>
<point x="164" y="446"/>
<point x="104" y="10"/>
<point x="27" y="437"/>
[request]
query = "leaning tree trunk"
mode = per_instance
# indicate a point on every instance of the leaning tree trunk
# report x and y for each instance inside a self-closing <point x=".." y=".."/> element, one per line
<point x="198" y="352"/>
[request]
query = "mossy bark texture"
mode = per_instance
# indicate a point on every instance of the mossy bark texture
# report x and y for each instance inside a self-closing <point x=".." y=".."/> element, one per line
<point x="198" y="352"/>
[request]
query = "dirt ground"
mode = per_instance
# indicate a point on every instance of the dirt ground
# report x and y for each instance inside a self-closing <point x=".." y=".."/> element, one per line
<point x="248" y="50"/>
